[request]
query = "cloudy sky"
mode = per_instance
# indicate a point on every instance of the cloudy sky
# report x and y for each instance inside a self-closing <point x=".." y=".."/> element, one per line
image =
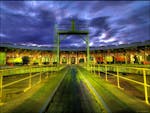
<point x="109" y="23"/>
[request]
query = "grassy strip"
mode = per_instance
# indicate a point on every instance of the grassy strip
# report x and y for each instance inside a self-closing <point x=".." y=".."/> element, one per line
<point x="100" y="101"/>
<point x="32" y="101"/>
<point x="45" y="107"/>
<point x="115" y="98"/>
<point x="90" y="103"/>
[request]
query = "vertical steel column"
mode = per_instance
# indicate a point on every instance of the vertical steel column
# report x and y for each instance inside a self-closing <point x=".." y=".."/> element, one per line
<point x="1" y="86"/>
<point x="58" y="48"/>
<point x="40" y="78"/>
<point x="126" y="58"/>
<point x="99" y="70"/>
<point x="118" y="82"/>
<point x="50" y="70"/>
<point x="145" y="87"/>
<point x="91" y="68"/>
<point x="73" y="25"/>
<point x="77" y="56"/>
<point x="30" y="77"/>
<point x="88" y="51"/>
<point x="47" y="72"/>
<point x="94" y="68"/>
<point x="106" y="73"/>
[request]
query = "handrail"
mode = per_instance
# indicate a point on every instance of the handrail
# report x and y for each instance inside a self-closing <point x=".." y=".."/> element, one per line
<point x="106" y="68"/>
<point x="22" y="70"/>
<point x="110" y="65"/>
<point x="31" y="71"/>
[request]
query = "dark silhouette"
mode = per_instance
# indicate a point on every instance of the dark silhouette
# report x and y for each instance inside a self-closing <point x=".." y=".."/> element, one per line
<point x="25" y="60"/>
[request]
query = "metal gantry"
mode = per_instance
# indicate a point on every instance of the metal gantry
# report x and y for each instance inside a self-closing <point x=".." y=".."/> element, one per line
<point x="73" y="31"/>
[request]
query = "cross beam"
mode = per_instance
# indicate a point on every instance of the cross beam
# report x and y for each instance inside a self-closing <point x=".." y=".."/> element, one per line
<point x="73" y="33"/>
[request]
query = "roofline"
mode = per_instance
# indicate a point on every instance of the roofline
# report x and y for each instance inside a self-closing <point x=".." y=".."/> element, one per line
<point x="112" y="47"/>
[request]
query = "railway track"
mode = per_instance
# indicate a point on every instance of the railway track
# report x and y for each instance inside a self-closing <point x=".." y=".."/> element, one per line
<point x="72" y="96"/>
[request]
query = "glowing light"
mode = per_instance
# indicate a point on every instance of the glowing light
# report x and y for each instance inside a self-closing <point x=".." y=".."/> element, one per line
<point x="121" y="42"/>
<point x="32" y="14"/>
<point x="111" y="39"/>
<point x="75" y="44"/>
<point x="103" y="36"/>
<point x="91" y="44"/>
<point x="2" y="35"/>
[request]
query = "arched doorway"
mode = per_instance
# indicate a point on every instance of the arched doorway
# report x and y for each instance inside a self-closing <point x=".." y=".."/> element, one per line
<point x="73" y="60"/>
<point x="64" y="60"/>
<point x="81" y="60"/>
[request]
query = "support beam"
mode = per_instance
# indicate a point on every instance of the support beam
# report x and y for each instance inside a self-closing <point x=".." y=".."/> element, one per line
<point x="58" y="49"/>
<point x="73" y="25"/>
<point x="88" y="50"/>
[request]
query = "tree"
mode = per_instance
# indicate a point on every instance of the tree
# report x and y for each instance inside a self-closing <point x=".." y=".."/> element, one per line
<point x="25" y="60"/>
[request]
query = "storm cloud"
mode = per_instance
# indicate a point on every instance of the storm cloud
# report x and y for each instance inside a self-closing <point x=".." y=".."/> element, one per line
<point x="109" y="23"/>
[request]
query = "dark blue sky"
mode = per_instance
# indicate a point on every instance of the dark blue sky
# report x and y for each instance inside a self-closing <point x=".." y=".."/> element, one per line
<point x="110" y="23"/>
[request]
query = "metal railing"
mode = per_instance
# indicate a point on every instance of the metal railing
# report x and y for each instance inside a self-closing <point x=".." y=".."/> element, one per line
<point x="116" y="70"/>
<point x="24" y="75"/>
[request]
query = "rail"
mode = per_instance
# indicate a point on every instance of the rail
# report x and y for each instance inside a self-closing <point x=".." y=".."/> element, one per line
<point x="25" y="74"/>
<point x="116" y="70"/>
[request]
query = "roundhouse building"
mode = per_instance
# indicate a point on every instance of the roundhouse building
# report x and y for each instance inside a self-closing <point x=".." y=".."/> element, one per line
<point x="135" y="53"/>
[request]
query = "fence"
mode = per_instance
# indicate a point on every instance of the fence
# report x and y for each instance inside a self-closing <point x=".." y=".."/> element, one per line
<point x="23" y="78"/>
<point x="140" y="76"/>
